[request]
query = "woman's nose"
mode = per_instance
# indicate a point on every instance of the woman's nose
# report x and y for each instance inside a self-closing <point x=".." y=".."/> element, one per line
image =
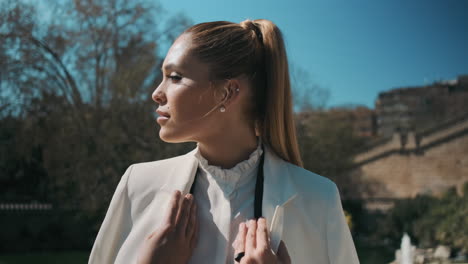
<point x="159" y="96"/>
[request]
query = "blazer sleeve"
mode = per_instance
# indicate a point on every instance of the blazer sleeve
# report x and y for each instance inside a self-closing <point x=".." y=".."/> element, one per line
<point x="115" y="227"/>
<point x="340" y="244"/>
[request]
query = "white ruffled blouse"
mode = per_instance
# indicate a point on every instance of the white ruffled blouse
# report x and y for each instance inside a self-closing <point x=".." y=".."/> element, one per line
<point x="225" y="198"/>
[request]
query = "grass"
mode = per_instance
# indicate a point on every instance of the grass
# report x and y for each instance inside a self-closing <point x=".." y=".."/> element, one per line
<point x="366" y="255"/>
<point x="69" y="257"/>
<point x="374" y="255"/>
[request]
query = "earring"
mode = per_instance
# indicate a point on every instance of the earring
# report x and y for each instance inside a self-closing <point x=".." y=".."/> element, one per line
<point x="222" y="109"/>
<point x="237" y="89"/>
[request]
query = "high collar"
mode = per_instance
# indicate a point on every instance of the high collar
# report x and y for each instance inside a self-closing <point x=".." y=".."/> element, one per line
<point x="229" y="179"/>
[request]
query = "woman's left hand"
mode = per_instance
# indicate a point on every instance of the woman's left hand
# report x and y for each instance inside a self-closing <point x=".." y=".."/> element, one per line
<point x="254" y="240"/>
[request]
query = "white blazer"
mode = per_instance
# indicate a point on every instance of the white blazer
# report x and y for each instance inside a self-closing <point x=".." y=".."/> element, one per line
<point x="303" y="209"/>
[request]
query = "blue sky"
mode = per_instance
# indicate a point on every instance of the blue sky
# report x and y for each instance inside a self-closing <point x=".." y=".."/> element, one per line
<point x="357" y="48"/>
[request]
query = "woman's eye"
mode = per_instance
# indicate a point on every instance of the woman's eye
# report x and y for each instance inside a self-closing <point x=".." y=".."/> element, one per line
<point x="174" y="78"/>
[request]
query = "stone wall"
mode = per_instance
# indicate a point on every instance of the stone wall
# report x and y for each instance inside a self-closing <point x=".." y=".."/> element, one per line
<point x="394" y="170"/>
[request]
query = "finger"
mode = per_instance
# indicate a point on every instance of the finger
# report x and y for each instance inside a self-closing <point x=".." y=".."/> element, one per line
<point x="185" y="211"/>
<point x="182" y="216"/>
<point x="283" y="254"/>
<point x="240" y="239"/>
<point x="250" y="240"/>
<point x="262" y="237"/>
<point x="191" y="219"/>
<point x="196" y="224"/>
<point x="173" y="208"/>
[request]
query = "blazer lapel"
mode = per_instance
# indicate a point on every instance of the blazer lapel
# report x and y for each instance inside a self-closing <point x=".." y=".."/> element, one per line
<point x="278" y="191"/>
<point x="183" y="174"/>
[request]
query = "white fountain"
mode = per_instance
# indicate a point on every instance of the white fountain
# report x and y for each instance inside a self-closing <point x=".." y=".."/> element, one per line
<point x="406" y="254"/>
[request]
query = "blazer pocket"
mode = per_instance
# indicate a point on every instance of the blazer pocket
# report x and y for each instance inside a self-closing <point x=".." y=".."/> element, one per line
<point x="277" y="224"/>
<point x="276" y="228"/>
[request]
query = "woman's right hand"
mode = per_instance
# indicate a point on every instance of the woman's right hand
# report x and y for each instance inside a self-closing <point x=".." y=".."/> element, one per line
<point x="175" y="240"/>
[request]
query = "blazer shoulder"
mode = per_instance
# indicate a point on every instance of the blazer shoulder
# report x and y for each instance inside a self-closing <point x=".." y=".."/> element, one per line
<point x="157" y="163"/>
<point x="150" y="176"/>
<point x="312" y="185"/>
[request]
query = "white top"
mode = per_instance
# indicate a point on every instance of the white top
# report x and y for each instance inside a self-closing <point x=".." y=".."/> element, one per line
<point x="225" y="198"/>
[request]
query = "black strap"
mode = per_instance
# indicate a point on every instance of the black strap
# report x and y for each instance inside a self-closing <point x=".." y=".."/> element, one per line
<point x="258" y="189"/>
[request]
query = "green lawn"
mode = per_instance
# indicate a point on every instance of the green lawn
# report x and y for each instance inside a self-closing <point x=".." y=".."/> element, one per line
<point x="69" y="257"/>
<point x="366" y="255"/>
<point x="374" y="256"/>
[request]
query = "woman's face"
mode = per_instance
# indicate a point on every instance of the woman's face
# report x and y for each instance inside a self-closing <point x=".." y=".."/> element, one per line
<point x="185" y="96"/>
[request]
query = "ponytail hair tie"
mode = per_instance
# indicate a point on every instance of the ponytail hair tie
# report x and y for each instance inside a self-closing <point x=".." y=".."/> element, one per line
<point x="251" y="25"/>
<point x="257" y="31"/>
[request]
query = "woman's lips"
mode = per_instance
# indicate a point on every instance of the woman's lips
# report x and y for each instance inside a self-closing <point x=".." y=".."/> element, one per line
<point x="163" y="116"/>
<point x="162" y="113"/>
<point x="162" y="119"/>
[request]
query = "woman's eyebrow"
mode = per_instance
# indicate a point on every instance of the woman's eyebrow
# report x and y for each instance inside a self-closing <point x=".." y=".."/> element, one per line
<point x="168" y="66"/>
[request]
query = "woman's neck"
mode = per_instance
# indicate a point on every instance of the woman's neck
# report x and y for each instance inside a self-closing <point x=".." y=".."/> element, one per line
<point x="227" y="153"/>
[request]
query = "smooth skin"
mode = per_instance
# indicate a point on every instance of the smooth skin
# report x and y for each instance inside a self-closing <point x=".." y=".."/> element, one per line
<point x="186" y="93"/>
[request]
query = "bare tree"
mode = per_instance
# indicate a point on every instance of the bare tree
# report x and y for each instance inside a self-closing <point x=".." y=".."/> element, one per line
<point x="308" y="95"/>
<point x="80" y="81"/>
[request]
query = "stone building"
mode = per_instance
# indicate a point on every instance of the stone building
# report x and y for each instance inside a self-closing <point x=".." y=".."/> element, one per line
<point x="361" y="118"/>
<point x="417" y="108"/>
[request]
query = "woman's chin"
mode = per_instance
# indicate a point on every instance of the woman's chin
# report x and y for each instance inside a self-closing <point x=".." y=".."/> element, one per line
<point x="169" y="137"/>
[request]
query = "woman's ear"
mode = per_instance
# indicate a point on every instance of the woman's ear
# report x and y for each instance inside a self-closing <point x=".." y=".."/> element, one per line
<point x="230" y="92"/>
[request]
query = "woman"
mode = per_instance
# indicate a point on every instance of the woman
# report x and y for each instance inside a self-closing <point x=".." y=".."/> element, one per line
<point x="241" y="195"/>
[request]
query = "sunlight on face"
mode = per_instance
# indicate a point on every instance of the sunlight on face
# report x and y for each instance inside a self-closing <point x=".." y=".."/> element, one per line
<point x="184" y="96"/>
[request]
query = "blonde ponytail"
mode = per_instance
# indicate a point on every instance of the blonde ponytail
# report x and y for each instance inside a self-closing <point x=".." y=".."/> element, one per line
<point x="278" y="128"/>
